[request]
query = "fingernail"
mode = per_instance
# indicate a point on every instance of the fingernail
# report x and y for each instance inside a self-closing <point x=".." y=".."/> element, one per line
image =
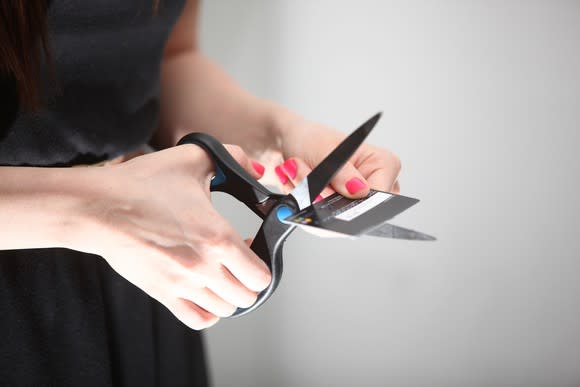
<point x="259" y="168"/>
<point x="318" y="198"/>
<point x="281" y="175"/>
<point x="290" y="168"/>
<point x="354" y="185"/>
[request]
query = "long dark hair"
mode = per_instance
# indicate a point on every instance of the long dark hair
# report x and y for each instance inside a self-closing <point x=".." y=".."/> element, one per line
<point x="24" y="44"/>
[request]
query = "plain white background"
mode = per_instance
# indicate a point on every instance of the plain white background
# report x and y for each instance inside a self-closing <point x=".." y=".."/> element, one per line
<point x="482" y="103"/>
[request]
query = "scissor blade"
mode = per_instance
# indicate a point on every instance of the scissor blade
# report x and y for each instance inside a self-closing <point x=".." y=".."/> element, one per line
<point x="387" y="230"/>
<point x="313" y="184"/>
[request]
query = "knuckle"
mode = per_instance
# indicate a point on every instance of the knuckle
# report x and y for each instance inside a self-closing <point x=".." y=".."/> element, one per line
<point x="219" y="234"/>
<point x="188" y="264"/>
<point x="179" y="257"/>
<point x="189" y="282"/>
<point x="217" y="244"/>
<point x="216" y="240"/>
<point x="390" y="158"/>
<point x="396" y="161"/>
<point x="177" y="279"/>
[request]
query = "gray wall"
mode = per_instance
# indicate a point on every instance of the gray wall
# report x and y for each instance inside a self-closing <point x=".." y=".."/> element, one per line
<point x="482" y="103"/>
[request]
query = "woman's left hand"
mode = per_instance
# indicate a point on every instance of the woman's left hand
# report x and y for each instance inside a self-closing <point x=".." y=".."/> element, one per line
<point x="305" y="144"/>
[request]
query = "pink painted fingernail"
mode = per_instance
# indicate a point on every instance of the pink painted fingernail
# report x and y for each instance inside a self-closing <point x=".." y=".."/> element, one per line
<point x="354" y="185"/>
<point x="290" y="168"/>
<point x="281" y="175"/>
<point x="318" y="198"/>
<point x="259" y="168"/>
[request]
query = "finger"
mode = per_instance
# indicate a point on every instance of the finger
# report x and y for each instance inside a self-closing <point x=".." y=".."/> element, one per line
<point x="254" y="168"/>
<point x="384" y="178"/>
<point x="285" y="182"/>
<point x="350" y="182"/>
<point x="230" y="289"/>
<point x="191" y="314"/>
<point x="396" y="187"/>
<point x="296" y="170"/>
<point x="382" y="170"/>
<point x="224" y="246"/>
<point x="210" y="301"/>
<point x="246" y="266"/>
<point x="249" y="241"/>
<point x="240" y="260"/>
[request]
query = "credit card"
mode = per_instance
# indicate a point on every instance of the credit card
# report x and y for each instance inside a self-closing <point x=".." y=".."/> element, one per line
<point x="352" y="216"/>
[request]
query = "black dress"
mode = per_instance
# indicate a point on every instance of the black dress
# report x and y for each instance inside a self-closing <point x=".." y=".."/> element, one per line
<point x="66" y="318"/>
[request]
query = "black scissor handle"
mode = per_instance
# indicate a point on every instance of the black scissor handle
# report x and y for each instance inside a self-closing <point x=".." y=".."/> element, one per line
<point x="267" y="245"/>
<point x="232" y="179"/>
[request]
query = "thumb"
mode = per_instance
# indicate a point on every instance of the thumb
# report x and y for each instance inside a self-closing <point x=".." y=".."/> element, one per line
<point x="350" y="182"/>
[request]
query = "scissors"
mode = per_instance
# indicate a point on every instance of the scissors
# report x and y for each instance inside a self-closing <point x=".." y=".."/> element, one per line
<point x="273" y="208"/>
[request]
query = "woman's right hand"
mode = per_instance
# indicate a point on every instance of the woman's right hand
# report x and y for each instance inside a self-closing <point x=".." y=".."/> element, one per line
<point x="151" y="218"/>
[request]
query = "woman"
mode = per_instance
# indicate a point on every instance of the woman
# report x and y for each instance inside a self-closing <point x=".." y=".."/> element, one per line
<point x="106" y="274"/>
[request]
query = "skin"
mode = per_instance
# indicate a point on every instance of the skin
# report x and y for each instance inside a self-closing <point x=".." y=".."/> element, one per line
<point x="151" y="218"/>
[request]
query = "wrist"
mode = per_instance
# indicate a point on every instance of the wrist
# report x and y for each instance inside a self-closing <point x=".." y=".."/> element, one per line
<point x="282" y="121"/>
<point x="290" y="131"/>
<point x="293" y="131"/>
<point x="42" y="206"/>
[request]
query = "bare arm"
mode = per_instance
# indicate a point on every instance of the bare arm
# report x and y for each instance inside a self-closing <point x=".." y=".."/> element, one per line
<point x="38" y="206"/>
<point x="150" y="218"/>
<point x="196" y="95"/>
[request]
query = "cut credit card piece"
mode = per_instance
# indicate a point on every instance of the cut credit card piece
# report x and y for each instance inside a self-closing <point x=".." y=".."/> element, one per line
<point x="352" y="216"/>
